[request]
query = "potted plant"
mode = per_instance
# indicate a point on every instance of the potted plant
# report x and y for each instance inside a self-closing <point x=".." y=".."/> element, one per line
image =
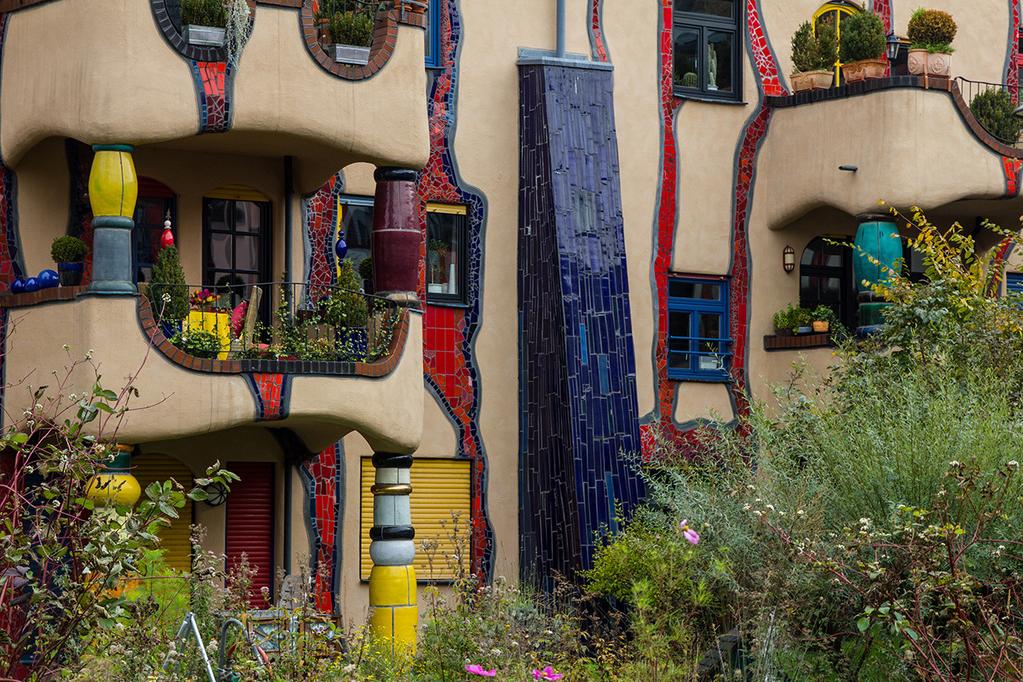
<point x="69" y="254"/>
<point x="690" y="80"/>
<point x="995" y="111"/>
<point x="168" y="292"/>
<point x="351" y="35"/>
<point x="204" y="22"/>
<point x="931" y="33"/>
<point x="813" y="57"/>
<point x="823" y="317"/>
<point x="200" y="343"/>
<point x="347" y="310"/>
<point x="366" y="273"/>
<point x="862" y="47"/>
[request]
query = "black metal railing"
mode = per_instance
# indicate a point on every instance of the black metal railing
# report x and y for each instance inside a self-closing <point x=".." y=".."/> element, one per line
<point x="991" y="109"/>
<point x="275" y="320"/>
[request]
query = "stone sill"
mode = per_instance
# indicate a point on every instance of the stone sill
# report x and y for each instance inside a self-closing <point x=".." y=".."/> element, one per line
<point x="797" y="342"/>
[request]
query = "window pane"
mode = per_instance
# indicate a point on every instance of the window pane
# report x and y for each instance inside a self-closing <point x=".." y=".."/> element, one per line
<point x="443" y="253"/>
<point x="678" y="348"/>
<point x="357" y="223"/>
<point x="719" y="60"/>
<point x="216" y="214"/>
<point x="704" y="291"/>
<point x="717" y="8"/>
<point x="220" y="251"/>
<point x="678" y="324"/>
<point x="247" y="216"/>
<point x="686" y="56"/>
<point x="246" y="253"/>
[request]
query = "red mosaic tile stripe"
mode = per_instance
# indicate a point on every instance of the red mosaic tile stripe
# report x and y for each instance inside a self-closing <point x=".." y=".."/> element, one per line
<point x="213" y="77"/>
<point x="597" y="31"/>
<point x="1011" y="168"/>
<point x="271" y="393"/>
<point x="883" y="9"/>
<point x="323" y="470"/>
<point x="320" y="222"/>
<point x="763" y="58"/>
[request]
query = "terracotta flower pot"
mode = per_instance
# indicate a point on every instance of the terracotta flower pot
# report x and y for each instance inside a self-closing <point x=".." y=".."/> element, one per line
<point x="812" y="80"/>
<point x="864" y="69"/>
<point x="821" y="326"/>
<point x="922" y="62"/>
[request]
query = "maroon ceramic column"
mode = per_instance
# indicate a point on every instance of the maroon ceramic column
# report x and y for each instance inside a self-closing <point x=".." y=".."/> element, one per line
<point x="396" y="235"/>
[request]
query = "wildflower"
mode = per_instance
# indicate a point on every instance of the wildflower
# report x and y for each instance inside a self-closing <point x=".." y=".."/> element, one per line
<point x="688" y="533"/>
<point x="479" y="671"/>
<point x="166" y="298"/>
<point x="547" y="673"/>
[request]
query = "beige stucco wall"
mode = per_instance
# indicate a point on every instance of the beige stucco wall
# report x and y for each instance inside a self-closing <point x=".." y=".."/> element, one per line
<point x="174" y="402"/>
<point x="43" y="197"/>
<point x="134" y="88"/>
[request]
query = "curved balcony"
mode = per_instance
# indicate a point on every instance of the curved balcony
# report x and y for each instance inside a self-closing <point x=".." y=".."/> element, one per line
<point x="908" y="142"/>
<point x="122" y="73"/>
<point x="298" y="371"/>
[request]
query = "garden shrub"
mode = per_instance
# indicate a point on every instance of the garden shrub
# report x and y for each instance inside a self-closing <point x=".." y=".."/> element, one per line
<point x="204" y="13"/>
<point x="932" y="29"/>
<point x="168" y="291"/>
<point x="68" y="249"/>
<point x="813" y="50"/>
<point x="863" y="37"/>
<point x="995" y="112"/>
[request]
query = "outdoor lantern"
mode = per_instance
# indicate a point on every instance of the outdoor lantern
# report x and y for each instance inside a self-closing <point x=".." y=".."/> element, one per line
<point x="788" y="259"/>
<point x="893" y="44"/>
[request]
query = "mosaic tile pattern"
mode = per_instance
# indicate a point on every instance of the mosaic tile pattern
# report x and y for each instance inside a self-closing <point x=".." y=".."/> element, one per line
<point x="1011" y="168"/>
<point x="1012" y="63"/>
<point x="883" y="9"/>
<point x="214" y="83"/>
<point x="272" y="393"/>
<point x="769" y="85"/>
<point x="577" y="369"/>
<point x="319" y="221"/>
<point x="598" y="47"/>
<point x="324" y="480"/>
<point x="449" y="356"/>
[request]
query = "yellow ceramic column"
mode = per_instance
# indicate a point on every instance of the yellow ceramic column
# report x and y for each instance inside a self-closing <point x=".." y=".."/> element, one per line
<point x="116" y="485"/>
<point x="392" y="582"/>
<point x="113" y="189"/>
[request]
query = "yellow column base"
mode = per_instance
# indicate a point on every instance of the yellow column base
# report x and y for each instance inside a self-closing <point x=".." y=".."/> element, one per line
<point x="394" y="615"/>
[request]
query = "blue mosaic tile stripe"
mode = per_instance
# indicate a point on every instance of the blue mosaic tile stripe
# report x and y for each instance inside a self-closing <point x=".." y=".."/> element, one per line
<point x="578" y="405"/>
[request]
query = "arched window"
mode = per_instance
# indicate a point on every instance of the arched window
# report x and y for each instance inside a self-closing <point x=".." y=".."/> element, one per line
<point x="825" y="278"/>
<point x="831" y="14"/>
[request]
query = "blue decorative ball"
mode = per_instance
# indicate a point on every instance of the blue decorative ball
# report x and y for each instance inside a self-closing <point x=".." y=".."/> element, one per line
<point x="31" y="284"/>
<point x="341" y="248"/>
<point x="48" y="279"/>
<point x="18" y="286"/>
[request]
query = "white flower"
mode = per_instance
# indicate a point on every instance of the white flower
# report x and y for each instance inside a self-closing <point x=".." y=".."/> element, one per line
<point x="1013" y="463"/>
<point x="800" y="512"/>
<point x="166" y="298"/>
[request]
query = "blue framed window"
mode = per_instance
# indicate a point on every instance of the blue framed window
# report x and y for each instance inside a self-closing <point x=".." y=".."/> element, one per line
<point x="433" y="24"/>
<point x="1014" y="282"/>
<point x="699" y="347"/>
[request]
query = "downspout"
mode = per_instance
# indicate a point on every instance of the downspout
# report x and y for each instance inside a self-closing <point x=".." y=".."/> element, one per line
<point x="289" y="181"/>
<point x="561" y="30"/>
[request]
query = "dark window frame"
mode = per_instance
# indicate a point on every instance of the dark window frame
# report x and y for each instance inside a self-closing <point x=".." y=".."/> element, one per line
<point x="433" y="25"/>
<point x="844" y="273"/>
<point x="703" y="24"/>
<point x="264" y="275"/>
<point x="460" y="299"/>
<point x="695" y="306"/>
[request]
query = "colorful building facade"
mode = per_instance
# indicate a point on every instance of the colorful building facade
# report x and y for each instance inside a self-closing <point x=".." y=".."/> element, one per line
<point x="582" y="234"/>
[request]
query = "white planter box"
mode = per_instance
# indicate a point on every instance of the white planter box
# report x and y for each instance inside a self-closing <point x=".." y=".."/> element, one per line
<point x="350" y="54"/>
<point x="204" y="35"/>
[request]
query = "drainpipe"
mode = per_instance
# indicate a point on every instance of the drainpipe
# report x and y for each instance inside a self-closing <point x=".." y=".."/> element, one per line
<point x="561" y="29"/>
<point x="289" y="181"/>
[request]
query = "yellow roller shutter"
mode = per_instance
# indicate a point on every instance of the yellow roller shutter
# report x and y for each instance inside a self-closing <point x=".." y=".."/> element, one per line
<point x="174" y="540"/>
<point x="439" y="487"/>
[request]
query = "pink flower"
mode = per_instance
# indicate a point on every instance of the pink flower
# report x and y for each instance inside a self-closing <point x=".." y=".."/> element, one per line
<point x="480" y="671"/>
<point x="688" y="533"/>
<point x="546" y="674"/>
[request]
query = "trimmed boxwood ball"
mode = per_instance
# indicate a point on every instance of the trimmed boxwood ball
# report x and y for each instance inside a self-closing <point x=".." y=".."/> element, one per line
<point x="932" y="29"/>
<point x="862" y="37"/>
<point x="68" y="249"/>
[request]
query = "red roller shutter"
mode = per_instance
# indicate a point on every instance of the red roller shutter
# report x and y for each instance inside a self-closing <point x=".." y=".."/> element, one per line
<point x="250" y="523"/>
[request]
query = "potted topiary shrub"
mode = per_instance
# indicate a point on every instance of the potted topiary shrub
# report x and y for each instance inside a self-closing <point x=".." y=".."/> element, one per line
<point x="69" y="254"/>
<point x="204" y="22"/>
<point x="167" y="291"/>
<point x="351" y="35"/>
<point x="931" y="33"/>
<point x="813" y="56"/>
<point x="862" y="47"/>
<point x="995" y="111"/>
<point x="347" y="310"/>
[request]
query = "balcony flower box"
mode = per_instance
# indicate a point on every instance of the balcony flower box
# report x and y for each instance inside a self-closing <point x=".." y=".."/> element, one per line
<point x="350" y="54"/>
<point x="205" y="35"/>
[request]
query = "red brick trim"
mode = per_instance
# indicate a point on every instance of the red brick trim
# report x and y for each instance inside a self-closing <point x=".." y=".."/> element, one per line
<point x="373" y="370"/>
<point x="798" y="342"/>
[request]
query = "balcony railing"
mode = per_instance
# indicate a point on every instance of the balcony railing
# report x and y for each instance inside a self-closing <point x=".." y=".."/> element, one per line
<point x="275" y="321"/>
<point x="993" y="124"/>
